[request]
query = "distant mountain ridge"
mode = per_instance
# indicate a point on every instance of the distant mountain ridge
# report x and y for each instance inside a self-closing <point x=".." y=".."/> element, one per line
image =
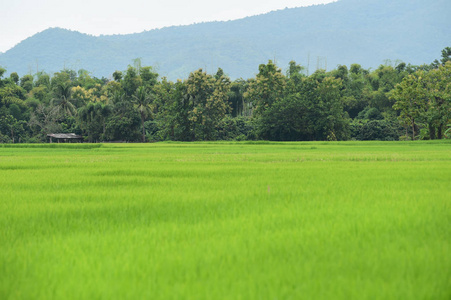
<point x="367" y="32"/>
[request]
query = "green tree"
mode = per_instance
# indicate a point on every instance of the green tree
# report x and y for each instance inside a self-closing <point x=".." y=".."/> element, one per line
<point x="287" y="120"/>
<point x="143" y="102"/>
<point x="123" y="124"/>
<point x="446" y="57"/>
<point x="357" y="90"/>
<point x="383" y="80"/>
<point x="313" y="110"/>
<point x="165" y="111"/>
<point x="332" y="123"/>
<point x="14" y="77"/>
<point x="42" y="79"/>
<point x="237" y="103"/>
<point x="172" y="105"/>
<point x="12" y="93"/>
<point x="10" y="127"/>
<point x="267" y="88"/>
<point x="93" y="117"/>
<point x="410" y="100"/>
<point x="131" y="81"/>
<point x="2" y="72"/>
<point x="26" y="82"/>
<point x="40" y="93"/>
<point x="62" y="100"/>
<point x="148" y="77"/>
<point x="117" y="76"/>
<point x="208" y="101"/>
<point x="437" y="85"/>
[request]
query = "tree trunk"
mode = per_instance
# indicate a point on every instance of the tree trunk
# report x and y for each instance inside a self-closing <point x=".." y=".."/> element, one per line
<point x="413" y="129"/>
<point x="431" y="132"/>
<point x="439" y="132"/>
<point x="142" y="124"/>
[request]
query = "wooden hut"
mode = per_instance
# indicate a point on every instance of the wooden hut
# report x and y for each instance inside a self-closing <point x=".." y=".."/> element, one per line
<point x="65" y="137"/>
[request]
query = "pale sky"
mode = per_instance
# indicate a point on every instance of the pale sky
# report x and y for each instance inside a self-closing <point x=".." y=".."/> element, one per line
<point x="21" y="19"/>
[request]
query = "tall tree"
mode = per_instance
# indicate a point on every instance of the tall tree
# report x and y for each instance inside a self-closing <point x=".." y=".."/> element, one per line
<point x="143" y="102"/>
<point x="267" y="88"/>
<point x="26" y="82"/>
<point x="93" y="119"/>
<point x="410" y="100"/>
<point x="63" y="100"/>
<point x="311" y="110"/>
<point x="131" y="81"/>
<point x="437" y="85"/>
<point x="446" y="56"/>
<point x="208" y="101"/>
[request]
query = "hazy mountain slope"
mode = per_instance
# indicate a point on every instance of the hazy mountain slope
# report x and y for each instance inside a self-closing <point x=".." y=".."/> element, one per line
<point x="348" y="31"/>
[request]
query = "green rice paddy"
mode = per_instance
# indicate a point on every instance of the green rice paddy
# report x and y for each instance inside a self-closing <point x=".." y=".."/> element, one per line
<point x="345" y="220"/>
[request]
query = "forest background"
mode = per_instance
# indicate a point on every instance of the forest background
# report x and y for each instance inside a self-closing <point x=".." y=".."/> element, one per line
<point x="395" y="101"/>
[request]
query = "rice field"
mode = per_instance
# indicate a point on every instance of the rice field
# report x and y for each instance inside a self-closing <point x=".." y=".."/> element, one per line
<point x="313" y="220"/>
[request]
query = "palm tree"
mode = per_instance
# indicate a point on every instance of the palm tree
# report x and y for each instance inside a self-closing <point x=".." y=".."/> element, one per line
<point x="93" y="114"/>
<point x="86" y="116"/>
<point x="63" y="100"/>
<point x="118" y="97"/>
<point x="143" y="102"/>
<point x="103" y="111"/>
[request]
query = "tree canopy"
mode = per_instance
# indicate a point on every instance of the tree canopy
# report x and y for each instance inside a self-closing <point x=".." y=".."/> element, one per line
<point x="394" y="101"/>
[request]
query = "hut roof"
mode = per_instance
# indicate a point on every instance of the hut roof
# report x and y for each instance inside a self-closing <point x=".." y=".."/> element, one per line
<point x="64" y="136"/>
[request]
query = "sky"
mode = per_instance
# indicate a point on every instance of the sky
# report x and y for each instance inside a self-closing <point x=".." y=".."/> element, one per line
<point x="21" y="19"/>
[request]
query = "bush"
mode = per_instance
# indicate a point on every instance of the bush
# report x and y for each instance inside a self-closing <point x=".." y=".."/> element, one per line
<point x="381" y="130"/>
<point x="239" y="128"/>
<point x="370" y="113"/>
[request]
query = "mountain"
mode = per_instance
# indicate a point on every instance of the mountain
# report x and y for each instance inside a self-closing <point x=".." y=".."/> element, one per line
<point x="367" y="32"/>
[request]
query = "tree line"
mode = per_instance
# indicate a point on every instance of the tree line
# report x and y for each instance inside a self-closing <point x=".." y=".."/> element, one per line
<point x="395" y="101"/>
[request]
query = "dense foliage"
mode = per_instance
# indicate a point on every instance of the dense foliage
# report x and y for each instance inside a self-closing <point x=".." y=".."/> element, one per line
<point x="389" y="103"/>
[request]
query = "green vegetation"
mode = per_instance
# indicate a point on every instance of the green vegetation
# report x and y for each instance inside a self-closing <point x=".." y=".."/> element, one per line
<point x="252" y="220"/>
<point x="391" y="102"/>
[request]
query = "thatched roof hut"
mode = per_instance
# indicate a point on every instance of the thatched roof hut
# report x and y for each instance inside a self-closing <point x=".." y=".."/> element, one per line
<point x="64" y="137"/>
